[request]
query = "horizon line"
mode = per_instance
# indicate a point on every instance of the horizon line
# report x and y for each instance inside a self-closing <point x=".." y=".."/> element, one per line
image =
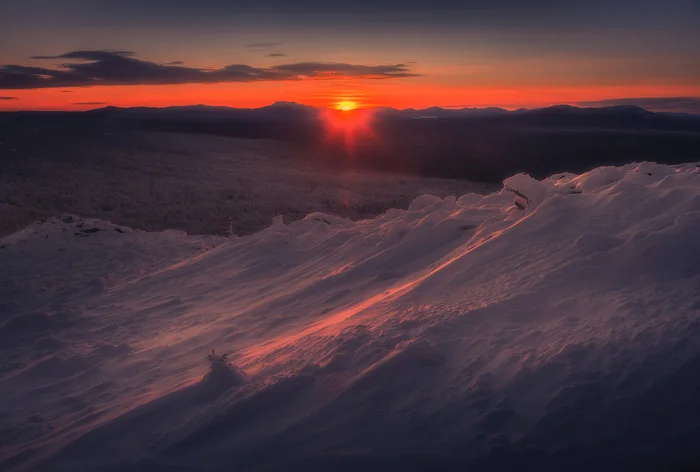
<point x="359" y="107"/>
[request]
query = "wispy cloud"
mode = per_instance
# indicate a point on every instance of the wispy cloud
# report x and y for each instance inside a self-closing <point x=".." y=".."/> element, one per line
<point x="276" y="54"/>
<point x="90" y="55"/>
<point x="331" y="70"/>
<point x="117" y="67"/>
<point x="90" y="103"/>
<point x="9" y="98"/>
<point x="174" y="63"/>
<point x="262" y="45"/>
<point x="667" y="104"/>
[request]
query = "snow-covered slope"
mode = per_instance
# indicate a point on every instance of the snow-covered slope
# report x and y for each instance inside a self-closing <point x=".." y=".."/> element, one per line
<point x="462" y="332"/>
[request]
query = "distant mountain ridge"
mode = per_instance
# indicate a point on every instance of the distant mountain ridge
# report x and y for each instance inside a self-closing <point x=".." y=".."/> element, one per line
<point x="291" y="121"/>
<point x="388" y="111"/>
<point x="275" y="111"/>
<point x="284" y="111"/>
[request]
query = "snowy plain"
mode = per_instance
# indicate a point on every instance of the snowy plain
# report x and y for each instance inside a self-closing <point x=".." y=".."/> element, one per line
<point x="156" y="181"/>
<point x="462" y="333"/>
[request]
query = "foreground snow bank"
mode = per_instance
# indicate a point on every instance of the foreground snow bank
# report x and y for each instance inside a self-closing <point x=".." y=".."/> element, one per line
<point x="552" y="324"/>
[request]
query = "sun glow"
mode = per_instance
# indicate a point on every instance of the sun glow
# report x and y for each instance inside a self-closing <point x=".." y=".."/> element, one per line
<point x="349" y="126"/>
<point x="346" y="105"/>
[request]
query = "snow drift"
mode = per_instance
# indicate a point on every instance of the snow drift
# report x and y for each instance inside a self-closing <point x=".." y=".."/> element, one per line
<point x="554" y="324"/>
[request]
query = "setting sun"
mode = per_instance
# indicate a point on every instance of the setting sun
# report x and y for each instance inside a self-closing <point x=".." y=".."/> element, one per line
<point x="346" y="105"/>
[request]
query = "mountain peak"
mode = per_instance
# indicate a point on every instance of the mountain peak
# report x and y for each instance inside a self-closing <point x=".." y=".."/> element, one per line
<point x="286" y="104"/>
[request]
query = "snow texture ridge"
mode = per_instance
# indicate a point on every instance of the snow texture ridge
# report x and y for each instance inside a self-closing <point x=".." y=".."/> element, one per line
<point x="554" y="324"/>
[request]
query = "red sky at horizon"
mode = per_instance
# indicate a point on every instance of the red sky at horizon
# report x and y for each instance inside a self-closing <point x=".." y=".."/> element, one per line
<point x="365" y="93"/>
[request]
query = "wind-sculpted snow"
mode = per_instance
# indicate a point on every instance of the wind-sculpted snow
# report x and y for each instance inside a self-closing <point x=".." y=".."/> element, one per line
<point x="461" y="334"/>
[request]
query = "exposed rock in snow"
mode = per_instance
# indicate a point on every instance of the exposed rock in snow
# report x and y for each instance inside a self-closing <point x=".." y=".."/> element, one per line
<point x="222" y="372"/>
<point x="461" y="333"/>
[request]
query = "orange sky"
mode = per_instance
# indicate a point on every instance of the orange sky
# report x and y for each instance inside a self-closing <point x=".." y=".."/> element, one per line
<point x="394" y="93"/>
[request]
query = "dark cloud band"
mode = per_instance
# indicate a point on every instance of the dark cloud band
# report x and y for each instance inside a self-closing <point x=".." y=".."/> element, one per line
<point x="95" y="68"/>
